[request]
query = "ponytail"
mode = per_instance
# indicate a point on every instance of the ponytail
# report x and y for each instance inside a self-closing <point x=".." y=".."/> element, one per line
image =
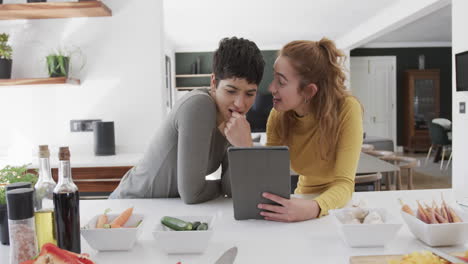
<point x="321" y="63"/>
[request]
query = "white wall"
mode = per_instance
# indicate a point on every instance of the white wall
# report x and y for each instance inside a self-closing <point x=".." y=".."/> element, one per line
<point x="122" y="80"/>
<point x="460" y="121"/>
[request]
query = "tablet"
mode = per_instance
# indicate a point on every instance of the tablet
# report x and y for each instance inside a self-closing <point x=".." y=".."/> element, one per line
<point x="256" y="170"/>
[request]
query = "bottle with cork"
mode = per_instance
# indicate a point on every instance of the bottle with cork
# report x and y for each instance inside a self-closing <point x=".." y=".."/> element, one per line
<point x="67" y="206"/>
<point x="44" y="189"/>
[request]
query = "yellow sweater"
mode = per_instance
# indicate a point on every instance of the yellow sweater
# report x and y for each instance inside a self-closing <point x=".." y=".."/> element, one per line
<point x="334" y="179"/>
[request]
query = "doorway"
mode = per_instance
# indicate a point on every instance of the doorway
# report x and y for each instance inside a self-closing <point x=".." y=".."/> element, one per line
<point x="373" y="82"/>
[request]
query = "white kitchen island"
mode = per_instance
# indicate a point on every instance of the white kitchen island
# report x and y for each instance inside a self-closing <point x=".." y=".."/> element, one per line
<point x="258" y="241"/>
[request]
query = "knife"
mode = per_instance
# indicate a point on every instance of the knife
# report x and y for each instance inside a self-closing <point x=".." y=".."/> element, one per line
<point x="445" y="256"/>
<point x="228" y="257"/>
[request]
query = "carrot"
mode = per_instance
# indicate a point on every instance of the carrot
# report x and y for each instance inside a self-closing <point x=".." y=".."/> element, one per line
<point x="405" y="208"/>
<point x="421" y="216"/>
<point x="424" y="214"/>
<point x="440" y="218"/>
<point x="455" y="217"/>
<point x="102" y="219"/>
<point x="432" y="219"/>
<point x="122" y="218"/>
<point x="445" y="207"/>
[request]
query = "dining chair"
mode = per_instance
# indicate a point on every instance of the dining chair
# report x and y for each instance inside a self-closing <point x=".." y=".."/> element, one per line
<point x="439" y="139"/>
<point x="405" y="163"/>
<point x="374" y="178"/>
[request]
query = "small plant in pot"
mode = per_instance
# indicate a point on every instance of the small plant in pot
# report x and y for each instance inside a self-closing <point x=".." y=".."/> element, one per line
<point x="5" y="57"/>
<point x="9" y="175"/>
<point x="59" y="63"/>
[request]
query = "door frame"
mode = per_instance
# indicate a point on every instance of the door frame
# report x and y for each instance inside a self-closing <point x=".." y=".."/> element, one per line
<point x="392" y="60"/>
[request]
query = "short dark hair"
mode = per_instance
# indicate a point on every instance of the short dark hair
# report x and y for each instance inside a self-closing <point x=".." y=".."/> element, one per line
<point x="238" y="58"/>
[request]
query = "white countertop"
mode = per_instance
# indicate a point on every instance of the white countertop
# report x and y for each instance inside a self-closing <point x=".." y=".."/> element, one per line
<point x="258" y="241"/>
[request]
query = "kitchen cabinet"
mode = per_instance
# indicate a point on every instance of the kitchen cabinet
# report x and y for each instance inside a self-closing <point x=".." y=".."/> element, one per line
<point x="421" y="104"/>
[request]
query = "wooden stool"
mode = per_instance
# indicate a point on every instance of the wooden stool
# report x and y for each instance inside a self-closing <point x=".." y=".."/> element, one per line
<point x="405" y="163"/>
<point x="367" y="147"/>
<point x="369" y="178"/>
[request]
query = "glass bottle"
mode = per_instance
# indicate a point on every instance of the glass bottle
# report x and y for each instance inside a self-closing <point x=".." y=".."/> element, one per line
<point x="45" y="184"/>
<point x="44" y="189"/>
<point x="67" y="206"/>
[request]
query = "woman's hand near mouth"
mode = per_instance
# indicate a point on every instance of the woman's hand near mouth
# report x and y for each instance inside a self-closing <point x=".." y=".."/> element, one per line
<point x="237" y="131"/>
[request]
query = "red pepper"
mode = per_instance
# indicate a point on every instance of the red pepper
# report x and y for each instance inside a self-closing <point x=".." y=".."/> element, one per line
<point x="28" y="262"/>
<point x="64" y="256"/>
<point x="463" y="258"/>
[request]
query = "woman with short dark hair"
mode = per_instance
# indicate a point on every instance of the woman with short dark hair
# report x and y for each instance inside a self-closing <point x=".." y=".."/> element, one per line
<point x="193" y="140"/>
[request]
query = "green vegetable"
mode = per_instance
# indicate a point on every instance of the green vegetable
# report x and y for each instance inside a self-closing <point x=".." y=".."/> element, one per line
<point x="203" y="226"/>
<point x="195" y="225"/>
<point x="11" y="174"/>
<point x="176" y="224"/>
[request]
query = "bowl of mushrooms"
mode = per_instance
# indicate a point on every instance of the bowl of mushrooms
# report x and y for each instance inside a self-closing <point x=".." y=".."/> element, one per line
<point x="366" y="227"/>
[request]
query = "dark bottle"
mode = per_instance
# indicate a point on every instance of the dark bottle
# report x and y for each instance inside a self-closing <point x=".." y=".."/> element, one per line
<point x="67" y="206"/>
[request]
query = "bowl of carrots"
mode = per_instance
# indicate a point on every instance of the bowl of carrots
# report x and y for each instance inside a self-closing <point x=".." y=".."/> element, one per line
<point x="113" y="232"/>
<point x="436" y="224"/>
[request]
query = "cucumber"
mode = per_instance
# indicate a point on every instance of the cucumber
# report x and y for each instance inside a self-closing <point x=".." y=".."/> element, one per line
<point x="176" y="224"/>
<point x="203" y="226"/>
<point x="195" y="225"/>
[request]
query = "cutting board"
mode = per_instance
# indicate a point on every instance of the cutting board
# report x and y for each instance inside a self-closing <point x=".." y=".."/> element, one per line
<point x="377" y="259"/>
<point x="381" y="259"/>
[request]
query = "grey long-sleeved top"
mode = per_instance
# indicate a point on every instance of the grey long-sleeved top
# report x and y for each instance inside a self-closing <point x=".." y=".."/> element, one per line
<point x="186" y="148"/>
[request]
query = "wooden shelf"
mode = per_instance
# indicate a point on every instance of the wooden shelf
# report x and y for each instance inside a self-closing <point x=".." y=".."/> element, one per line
<point x="190" y="88"/>
<point x="35" y="81"/>
<point x="192" y="75"/>
<point x="54" y="10"/>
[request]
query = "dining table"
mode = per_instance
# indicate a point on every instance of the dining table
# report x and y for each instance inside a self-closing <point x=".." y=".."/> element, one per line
<point x="258" y="241"/>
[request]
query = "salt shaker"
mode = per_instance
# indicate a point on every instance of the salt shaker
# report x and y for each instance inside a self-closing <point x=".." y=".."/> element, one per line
<point x="23" y="243"/>
<point x="5" y="237"/>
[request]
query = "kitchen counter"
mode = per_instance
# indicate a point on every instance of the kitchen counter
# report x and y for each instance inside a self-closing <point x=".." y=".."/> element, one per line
<point x="78" y="160"/>
<point x="258" y="241"/>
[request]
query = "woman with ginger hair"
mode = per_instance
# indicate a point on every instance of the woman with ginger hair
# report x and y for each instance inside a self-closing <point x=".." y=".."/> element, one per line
<point x="321" y="123"/>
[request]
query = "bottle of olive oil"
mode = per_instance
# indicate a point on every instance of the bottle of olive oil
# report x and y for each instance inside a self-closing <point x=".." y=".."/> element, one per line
<point x="44" y="190"/>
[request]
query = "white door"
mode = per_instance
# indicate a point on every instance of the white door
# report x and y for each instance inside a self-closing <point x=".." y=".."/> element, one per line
<point x="373" y="82"/>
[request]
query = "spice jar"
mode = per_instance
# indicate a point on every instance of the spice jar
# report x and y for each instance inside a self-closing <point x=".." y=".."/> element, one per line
<point x="4" y="234"/>
<point x="23" y="243"/>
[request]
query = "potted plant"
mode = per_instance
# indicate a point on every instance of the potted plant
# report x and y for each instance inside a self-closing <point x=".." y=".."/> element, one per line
<point x="59" y="62"/>
<point x="58" y="65"/>
<point x="8" y="175"/>
<point x="5" y="57"/>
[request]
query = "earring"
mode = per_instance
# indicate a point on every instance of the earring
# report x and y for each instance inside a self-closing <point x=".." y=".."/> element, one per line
<point x="306" y="100"/>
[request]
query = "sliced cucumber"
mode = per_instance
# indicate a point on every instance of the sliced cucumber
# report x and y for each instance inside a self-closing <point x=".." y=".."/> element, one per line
<point x="203" y="226"/>
<point x="195" y="225"/>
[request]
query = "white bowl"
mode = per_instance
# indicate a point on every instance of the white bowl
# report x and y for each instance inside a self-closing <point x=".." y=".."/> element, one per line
<point x="367" y="235"/>
<point x="184" y="242"/>
<point x="436" y="235"/>
<point x="113" y="239"/>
